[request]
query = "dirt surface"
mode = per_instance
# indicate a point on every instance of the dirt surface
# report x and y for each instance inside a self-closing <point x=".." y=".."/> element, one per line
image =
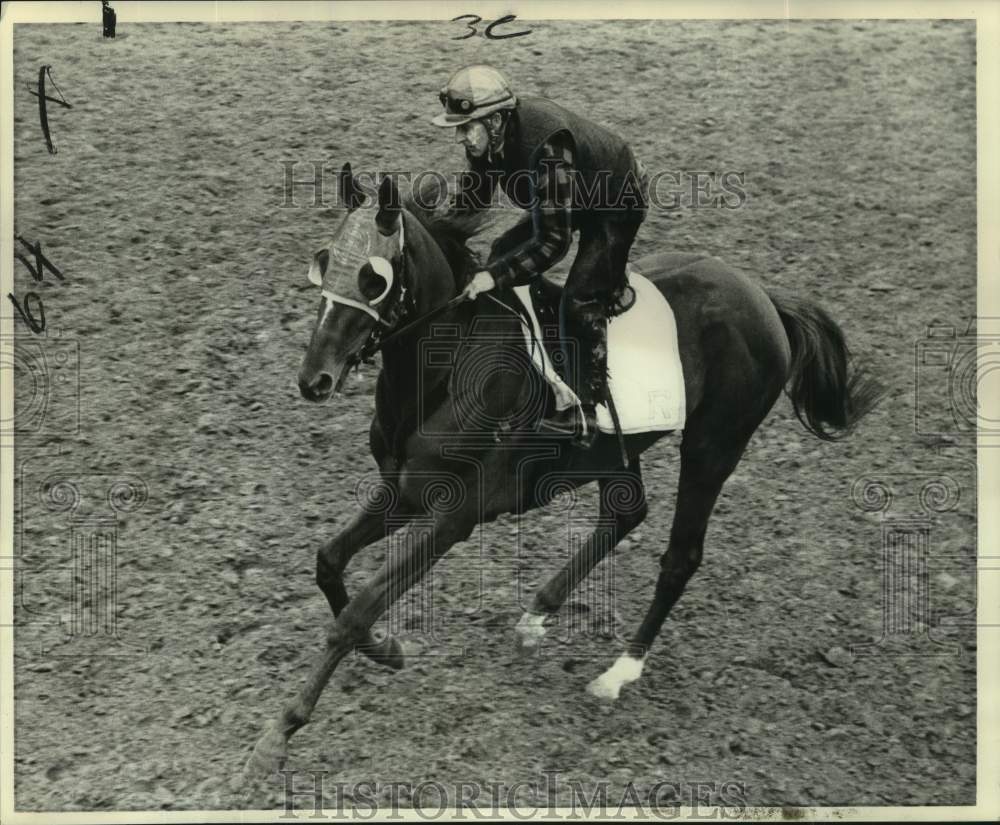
<point x="186" y="297"/>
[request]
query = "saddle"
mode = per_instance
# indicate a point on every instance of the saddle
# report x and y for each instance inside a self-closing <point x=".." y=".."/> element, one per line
<point x="645" y="376"/>
<point x="545" y="298"/>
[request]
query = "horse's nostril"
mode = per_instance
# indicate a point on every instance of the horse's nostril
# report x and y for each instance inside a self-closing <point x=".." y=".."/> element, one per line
<point x="317" y="391"/>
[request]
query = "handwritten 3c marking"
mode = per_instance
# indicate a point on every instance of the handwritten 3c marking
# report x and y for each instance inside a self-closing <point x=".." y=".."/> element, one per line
<point x="474" y="19"/>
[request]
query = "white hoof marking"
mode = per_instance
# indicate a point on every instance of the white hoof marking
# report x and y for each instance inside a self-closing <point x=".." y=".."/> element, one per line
<point x="530" y="628"/>
<point x="609" y="684"/>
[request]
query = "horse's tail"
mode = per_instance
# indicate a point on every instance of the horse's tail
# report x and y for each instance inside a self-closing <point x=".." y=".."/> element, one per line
<point x="829" y="392"/>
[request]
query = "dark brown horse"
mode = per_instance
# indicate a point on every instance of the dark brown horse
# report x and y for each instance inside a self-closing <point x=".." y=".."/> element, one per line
<point x="457" y="402"/>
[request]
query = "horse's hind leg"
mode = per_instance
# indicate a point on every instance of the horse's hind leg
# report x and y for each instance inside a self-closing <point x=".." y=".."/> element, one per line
<point x="741" y="383"/>
<point x="364" y="528"/>
<point x="704" y="469"/>
<point x="707" y="460"/>
<point x="623" y="508"/>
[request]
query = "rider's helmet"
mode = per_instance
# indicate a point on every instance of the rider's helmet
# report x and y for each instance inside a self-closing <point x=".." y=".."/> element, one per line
<point x="473" y="93"/>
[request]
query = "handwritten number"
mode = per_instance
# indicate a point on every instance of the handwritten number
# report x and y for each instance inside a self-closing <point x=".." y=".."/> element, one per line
<point x="42" y="97"/>
<point x="34" y="324"/>
<point x="506" y="19"/>
<point x="43" y="112"/>
<point x="473" y="19"/>
<point x="41" y="262"/>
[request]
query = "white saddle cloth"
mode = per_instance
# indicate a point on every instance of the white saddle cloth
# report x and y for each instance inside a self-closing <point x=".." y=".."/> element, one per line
<point x="644" y="364"/>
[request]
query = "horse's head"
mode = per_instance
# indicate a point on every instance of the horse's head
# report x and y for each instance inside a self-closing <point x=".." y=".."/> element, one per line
<point x="370" y="284"/>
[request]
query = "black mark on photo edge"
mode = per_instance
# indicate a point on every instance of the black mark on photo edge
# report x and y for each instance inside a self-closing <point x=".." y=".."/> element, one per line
<point x="108" y="19"/>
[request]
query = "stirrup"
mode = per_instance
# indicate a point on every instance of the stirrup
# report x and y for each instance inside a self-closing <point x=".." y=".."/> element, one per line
<point x="564" y="422"/>
<point x="578" y="423"/>
<point x="585" y="437"/>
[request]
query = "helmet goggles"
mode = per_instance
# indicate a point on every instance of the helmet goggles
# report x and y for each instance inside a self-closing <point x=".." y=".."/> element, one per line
<point x="473" y="93"/>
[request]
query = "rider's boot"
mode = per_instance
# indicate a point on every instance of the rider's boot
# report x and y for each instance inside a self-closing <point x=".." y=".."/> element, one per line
<point x="581" y="422"/>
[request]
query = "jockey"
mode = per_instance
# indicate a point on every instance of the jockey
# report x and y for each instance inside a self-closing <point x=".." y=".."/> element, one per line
<point x="570" y="175"/>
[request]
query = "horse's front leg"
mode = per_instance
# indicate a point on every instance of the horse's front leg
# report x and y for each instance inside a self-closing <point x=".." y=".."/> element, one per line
<point x="368" y="525"/>
<point x="352" y="626"/>
<point x="623" y="508"/>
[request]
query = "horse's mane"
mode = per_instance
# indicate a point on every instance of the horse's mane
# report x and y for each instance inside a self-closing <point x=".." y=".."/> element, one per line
<point x="451" y="228"/>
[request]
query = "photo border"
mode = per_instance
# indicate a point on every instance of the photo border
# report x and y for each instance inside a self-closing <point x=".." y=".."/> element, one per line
<point x="987" y="16"/>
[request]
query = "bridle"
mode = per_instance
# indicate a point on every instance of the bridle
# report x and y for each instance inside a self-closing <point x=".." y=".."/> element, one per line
<point x="398" y="308"/>
<point x="399" y="303"/>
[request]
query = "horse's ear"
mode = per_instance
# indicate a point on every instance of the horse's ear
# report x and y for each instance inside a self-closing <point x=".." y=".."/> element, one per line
<point x="320" y="261"/>
<point x="387" y="217"/>
<point x="350" y="193"/>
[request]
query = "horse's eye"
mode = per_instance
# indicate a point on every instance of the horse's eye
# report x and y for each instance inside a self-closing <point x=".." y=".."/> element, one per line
<point x="370" y="283"/>
<point x="375" y="279"/>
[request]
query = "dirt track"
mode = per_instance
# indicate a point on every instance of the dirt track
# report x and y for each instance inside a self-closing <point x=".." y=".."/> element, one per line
<point x="186" y="292"/>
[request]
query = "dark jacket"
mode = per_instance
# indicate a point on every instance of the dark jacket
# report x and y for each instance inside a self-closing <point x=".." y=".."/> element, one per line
<point x="603" y="161"/>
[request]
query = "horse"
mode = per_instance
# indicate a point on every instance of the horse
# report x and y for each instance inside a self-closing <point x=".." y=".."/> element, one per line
<point x="455" y="437"/>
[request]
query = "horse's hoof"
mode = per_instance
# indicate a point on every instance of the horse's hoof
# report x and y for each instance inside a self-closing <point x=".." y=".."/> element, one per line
<point x="608" y="685"/>
<point x="268" y="757"/>
<point x="526" y="647"/>
<point x="530" y="632"/>
<point x="604" y="689"/>
<point x="387" y="652"/>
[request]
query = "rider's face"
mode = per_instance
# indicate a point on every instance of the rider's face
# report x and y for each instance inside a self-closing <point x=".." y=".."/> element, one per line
<point x="474" y="137"/>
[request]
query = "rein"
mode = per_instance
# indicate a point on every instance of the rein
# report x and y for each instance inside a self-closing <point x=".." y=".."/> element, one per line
<point x="376" y="342"/>
<point x="400" y="306"/>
